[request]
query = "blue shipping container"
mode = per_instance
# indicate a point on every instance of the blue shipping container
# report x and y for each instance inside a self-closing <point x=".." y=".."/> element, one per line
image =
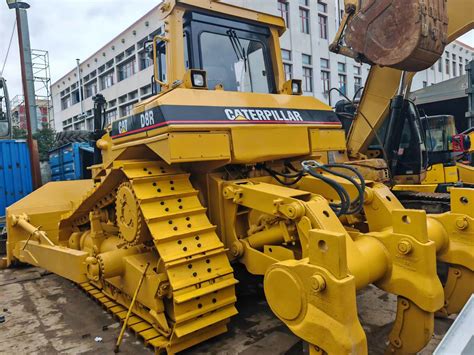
<point x="70" y="161"/>
<point x="15" y="173"/>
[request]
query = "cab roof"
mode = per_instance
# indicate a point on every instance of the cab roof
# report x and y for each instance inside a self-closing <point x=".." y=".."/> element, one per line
<point x="215" y="6"/>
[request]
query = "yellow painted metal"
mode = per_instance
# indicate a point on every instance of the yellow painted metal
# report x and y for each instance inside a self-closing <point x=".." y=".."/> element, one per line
<point x="412" y="330"/>
<point x="316" y="297"/>
<point x="451" y="174"/>
<point x="188" y="199"/>
<point x="327" y="140"/>
<point x="188" y="147"/>
<point x="129" y="312"/>
<point x="466" y="173"/>
<point x="435" y="174"/>
<point x="44" y="208"/>
<point x="458" y="289"/>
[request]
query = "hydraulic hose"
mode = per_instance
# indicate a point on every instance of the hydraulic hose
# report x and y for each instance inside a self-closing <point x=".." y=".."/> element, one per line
<point x="346" y="206"/>
<point x="359" y="203"/>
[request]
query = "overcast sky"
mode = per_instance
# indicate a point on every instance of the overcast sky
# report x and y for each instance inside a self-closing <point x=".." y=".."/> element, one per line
<point x="68" y="29"/>
<point x="71" y="29"/>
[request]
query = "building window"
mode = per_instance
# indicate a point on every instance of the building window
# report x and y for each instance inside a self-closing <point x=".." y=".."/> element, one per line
<point x="126" y="110"/>
<point x="307" y="79"/>
<point x="425" y="84"/>
<point x="455" y="67"/>
<point x="326" y="81"/>
<point x="323" y="26"/>
<point x="65" y="102"/>
<point x="91" y="89"/>
<point x="307" y="60"/>
<point x="357" y="86"/>
<point x="284" y="9"/>
<point x="286" y="54"/>
<point x="106" y="80"/>
<point x="460" y="69"/>
<point x="440" y="66"/>
<point x="126" y="70"/>
<point x="144" y="60"/>
<point x="343" y="83"/>
<point x="130" y="51"/>
<point x="304" y="20"/>
<point x="324" y="63"/>
<point x="120" y="57"/>
<point x="288" y="71"/>
<point x="357" y="70"/>
<point x="322" y="7"/>
<point x="341" y="67"/>
<point x="75" y="97"/>
<point x="447" y="66"/>
<point x="111" y="116"/>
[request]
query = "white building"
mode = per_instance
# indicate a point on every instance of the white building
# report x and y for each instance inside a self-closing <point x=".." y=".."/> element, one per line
<point x="453" y="63"/>
<point x="122" y="73"/>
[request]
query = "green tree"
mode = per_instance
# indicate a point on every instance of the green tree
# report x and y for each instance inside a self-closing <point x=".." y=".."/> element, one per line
<point x="18" y="133"/>
<point x="45" y="138"/>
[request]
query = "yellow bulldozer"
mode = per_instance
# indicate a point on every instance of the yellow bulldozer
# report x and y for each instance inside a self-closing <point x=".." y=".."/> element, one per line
<point x="229" y="163"/>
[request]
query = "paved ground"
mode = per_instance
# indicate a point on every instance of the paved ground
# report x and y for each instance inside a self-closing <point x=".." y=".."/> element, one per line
<point x="45" y="314"/>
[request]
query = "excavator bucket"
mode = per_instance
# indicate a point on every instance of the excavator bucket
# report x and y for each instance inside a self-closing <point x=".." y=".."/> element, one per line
<point x="408" y="35"/>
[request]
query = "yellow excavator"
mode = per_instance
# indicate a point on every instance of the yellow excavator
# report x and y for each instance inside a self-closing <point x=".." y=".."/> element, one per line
<point x="386" y="124"/>
<point x="229" y="163"/>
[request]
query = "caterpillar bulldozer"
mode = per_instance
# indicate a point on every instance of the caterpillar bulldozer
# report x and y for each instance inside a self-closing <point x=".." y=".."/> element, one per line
<point x="229" y="163"/>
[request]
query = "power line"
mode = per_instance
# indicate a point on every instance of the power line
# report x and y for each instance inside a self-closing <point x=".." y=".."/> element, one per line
<point x="8" y="50"/>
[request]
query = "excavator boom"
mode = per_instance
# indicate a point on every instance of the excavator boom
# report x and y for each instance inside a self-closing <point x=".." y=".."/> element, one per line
<point x="383" y="81"/>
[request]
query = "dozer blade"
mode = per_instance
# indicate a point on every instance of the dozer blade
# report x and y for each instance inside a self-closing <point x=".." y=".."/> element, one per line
<point x="408" y="35"/>
<point x="44" y="208"/>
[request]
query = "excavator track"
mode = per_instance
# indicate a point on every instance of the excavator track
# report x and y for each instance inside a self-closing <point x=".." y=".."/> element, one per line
<point x="201" y="296"/>
<point x="430" y="202"/>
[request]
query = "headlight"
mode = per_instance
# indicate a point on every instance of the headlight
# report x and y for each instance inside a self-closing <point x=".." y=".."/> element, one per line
<point x="198" y="79"/>
<point x="295" y="88"/>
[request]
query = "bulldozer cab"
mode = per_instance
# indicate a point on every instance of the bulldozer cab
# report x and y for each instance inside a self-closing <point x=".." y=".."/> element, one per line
<point x="235" y="49"/>
<point x="219" y="70"/>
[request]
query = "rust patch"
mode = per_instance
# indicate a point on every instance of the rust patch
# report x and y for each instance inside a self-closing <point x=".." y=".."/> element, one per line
<point x="404" y="34"/>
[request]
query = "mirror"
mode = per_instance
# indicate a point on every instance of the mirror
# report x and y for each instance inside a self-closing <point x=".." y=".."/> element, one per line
<point x="159" y="59"/>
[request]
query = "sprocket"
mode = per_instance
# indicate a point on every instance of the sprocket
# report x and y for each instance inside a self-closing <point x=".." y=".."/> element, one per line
<point x="129" y="216"/>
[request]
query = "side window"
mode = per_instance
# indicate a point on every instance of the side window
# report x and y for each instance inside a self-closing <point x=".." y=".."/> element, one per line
<point x="187" y="58"/>
<point x="161" y="58"/>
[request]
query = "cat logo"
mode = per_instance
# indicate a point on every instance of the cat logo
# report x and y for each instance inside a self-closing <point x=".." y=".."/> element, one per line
<point x="241" y="118"/>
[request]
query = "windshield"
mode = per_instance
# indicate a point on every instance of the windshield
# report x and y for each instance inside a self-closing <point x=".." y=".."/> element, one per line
<point x="439" y="133"/>
<point x="238" y="64"/>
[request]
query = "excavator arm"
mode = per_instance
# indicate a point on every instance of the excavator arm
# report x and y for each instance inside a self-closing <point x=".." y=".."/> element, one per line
<point x="383" y="82"/>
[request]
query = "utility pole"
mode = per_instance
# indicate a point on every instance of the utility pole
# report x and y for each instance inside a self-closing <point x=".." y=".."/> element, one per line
<point x="79" y="85"/>
<point x="28" y="85"/>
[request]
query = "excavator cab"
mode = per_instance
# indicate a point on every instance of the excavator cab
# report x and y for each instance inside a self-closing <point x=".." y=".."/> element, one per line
<point x="440" y="131"/>
<point x="5" y="113"/>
